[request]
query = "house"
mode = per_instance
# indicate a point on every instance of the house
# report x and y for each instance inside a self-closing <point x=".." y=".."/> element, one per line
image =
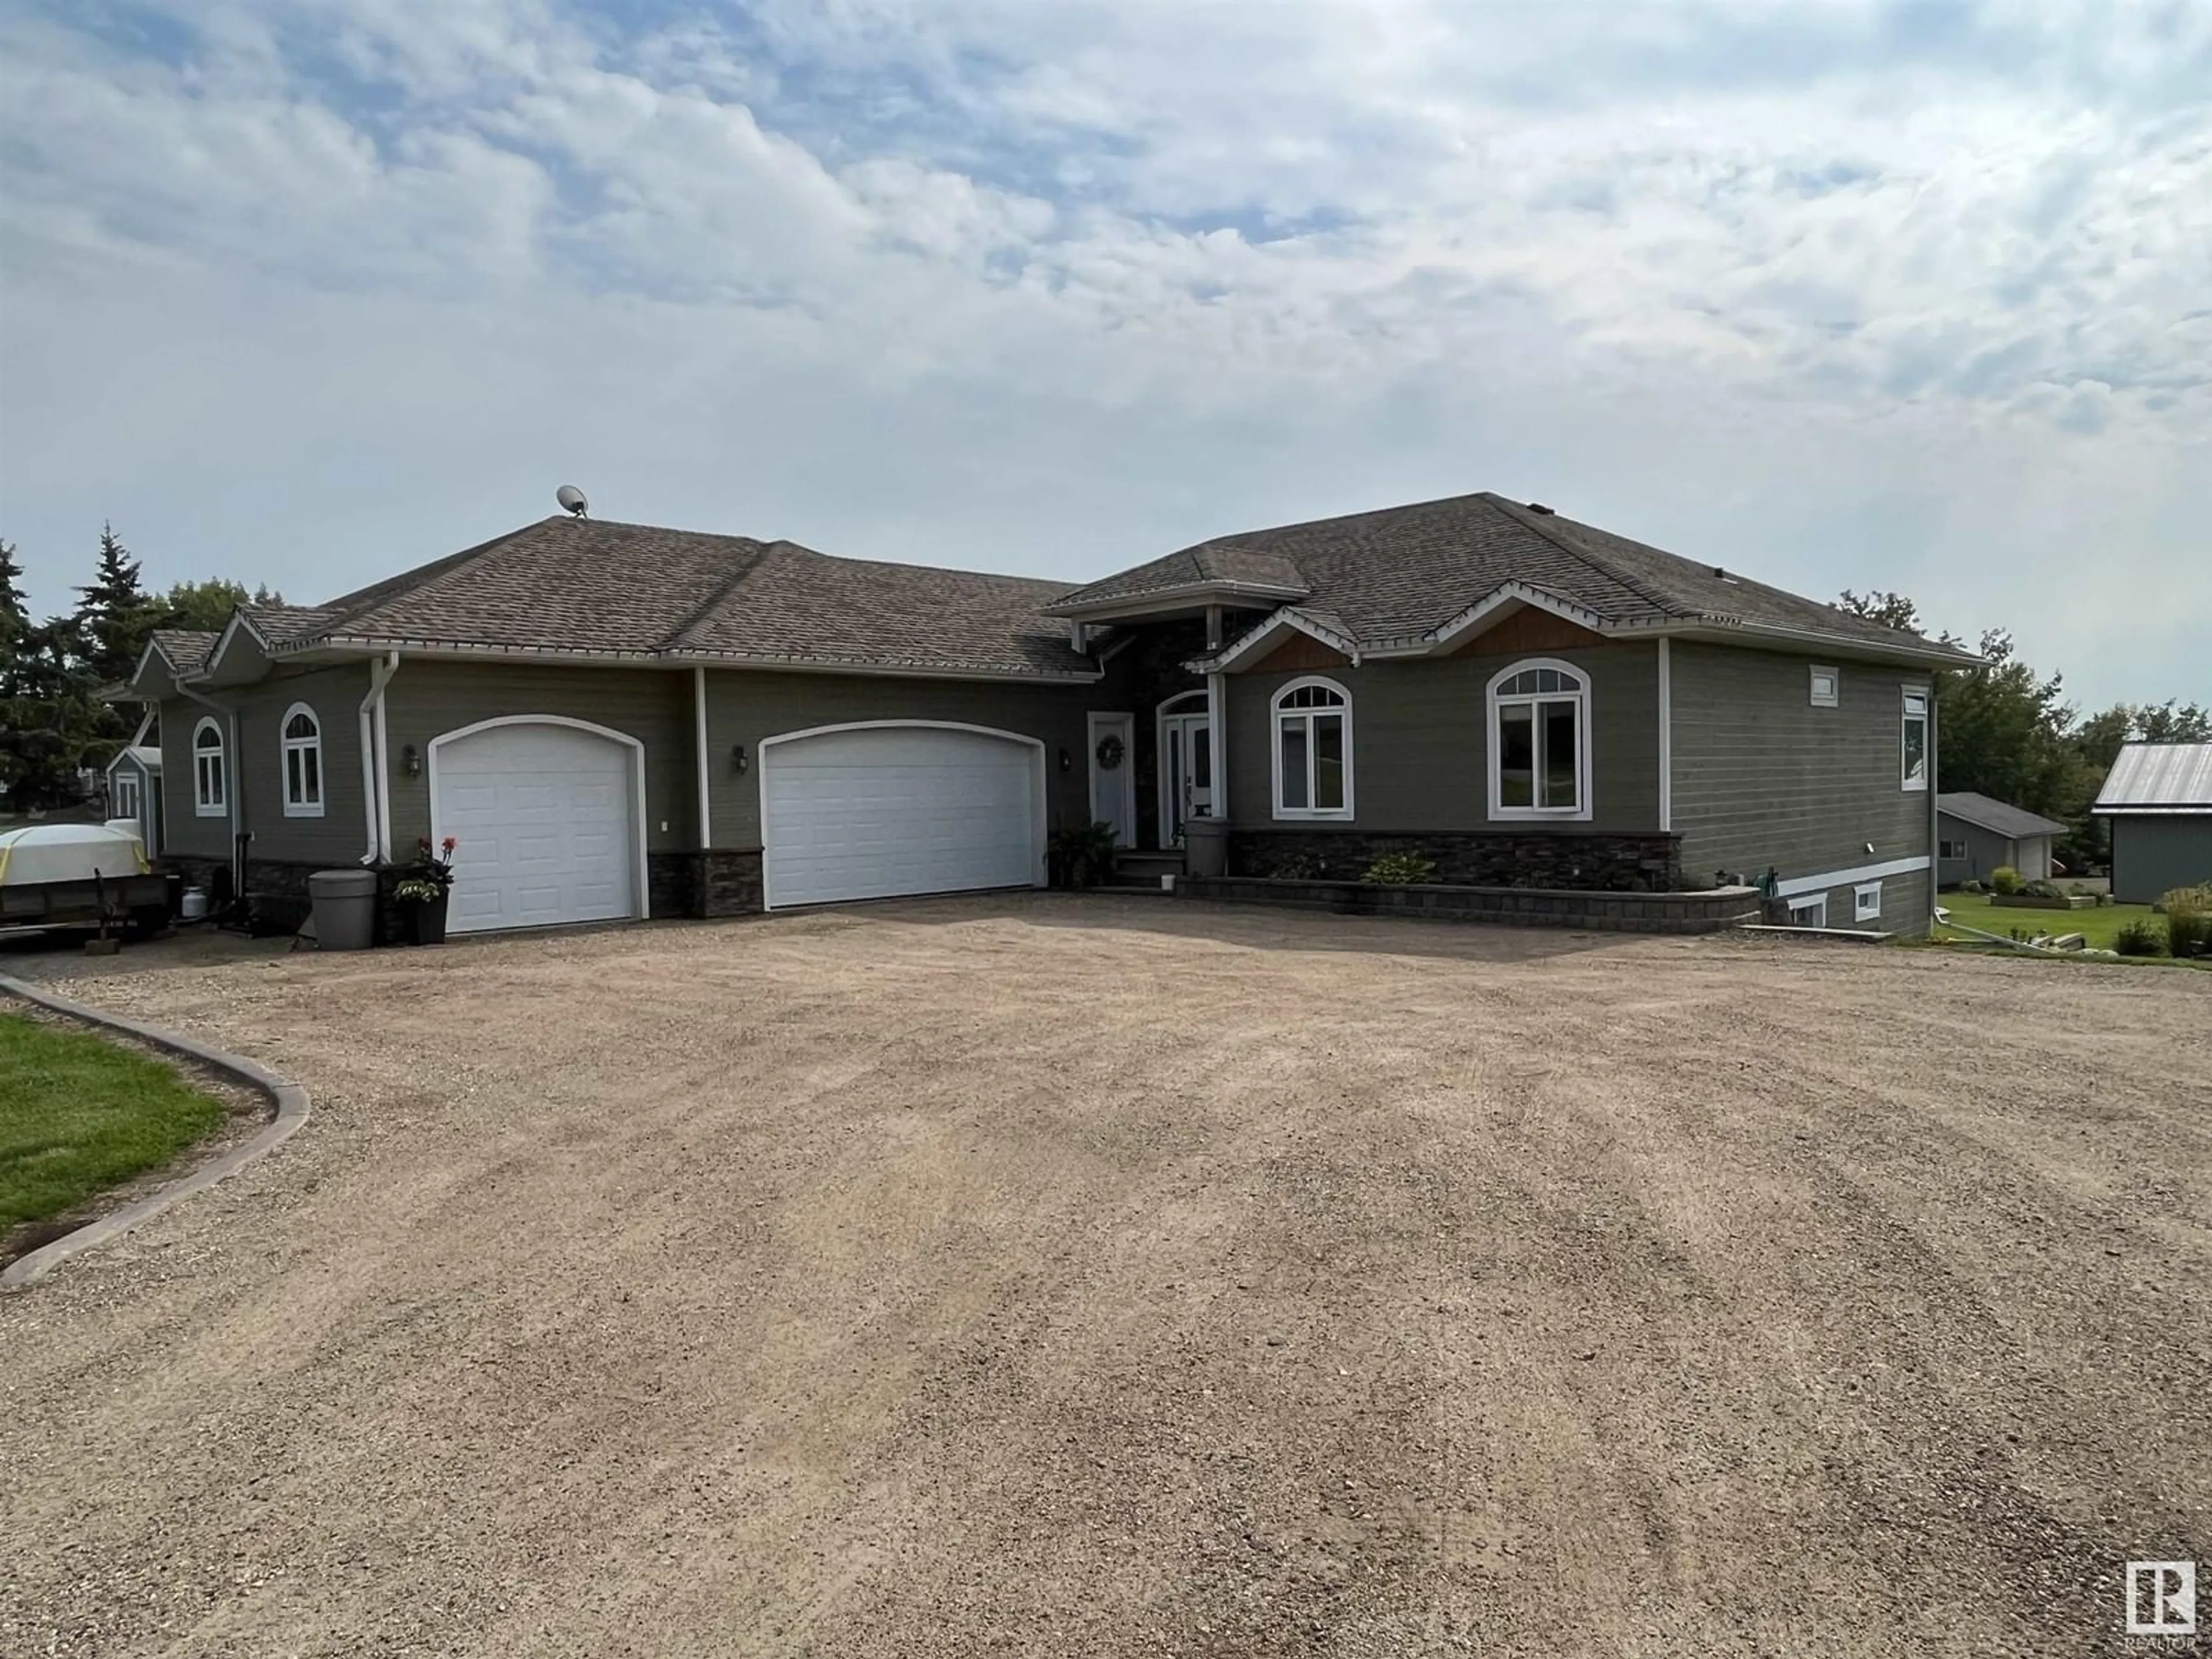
<point x="1976" y="834"/>
<point x="2158" y="798"/>
<point x="619" y="721"/>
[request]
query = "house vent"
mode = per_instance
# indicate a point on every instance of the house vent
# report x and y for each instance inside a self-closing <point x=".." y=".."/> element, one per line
<point x="1722" y="574"/>
<point x="1538" y="506"/>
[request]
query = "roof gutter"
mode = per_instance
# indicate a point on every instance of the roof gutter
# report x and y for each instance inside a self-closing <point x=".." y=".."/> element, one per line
<point x="1152" y="598"/>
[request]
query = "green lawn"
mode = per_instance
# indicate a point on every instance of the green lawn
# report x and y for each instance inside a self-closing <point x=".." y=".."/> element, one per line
<point x="2098" y="926"/>
<point x="78" y="1114"/>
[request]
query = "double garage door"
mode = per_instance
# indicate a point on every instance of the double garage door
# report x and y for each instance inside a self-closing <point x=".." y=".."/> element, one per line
<point x="546" y="814"/>
<point x="876" y="811"/>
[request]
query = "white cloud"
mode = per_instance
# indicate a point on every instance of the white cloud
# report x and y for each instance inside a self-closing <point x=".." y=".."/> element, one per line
<point x="1850" y="295"/>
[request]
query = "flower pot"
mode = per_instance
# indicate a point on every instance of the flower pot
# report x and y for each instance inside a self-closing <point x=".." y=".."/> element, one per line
<point x="426" y="921"/>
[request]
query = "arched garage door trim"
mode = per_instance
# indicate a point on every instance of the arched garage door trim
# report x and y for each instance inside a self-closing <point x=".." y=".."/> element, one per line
<point x="634" y="745"/>
<point x="767" y="746"/>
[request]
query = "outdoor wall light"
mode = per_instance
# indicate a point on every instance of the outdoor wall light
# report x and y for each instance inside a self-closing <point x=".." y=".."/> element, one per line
<point x="411" y="761"/>
<point x="738" y="758"/>
<point x="1066" y="760"/>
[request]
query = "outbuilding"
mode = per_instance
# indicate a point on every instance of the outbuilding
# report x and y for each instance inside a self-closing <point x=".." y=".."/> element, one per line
<point x="2158" y="799"/>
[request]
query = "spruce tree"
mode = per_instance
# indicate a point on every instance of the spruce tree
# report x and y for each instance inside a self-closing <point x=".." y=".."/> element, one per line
<point x="114" y="613"/>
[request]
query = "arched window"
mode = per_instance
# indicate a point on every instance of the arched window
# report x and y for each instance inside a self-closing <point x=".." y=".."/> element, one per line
<point x="1313" y="750"/>
<point x="1540" y="748"/>
<point x="301" y="753"/>
<point x="210" y="771"/>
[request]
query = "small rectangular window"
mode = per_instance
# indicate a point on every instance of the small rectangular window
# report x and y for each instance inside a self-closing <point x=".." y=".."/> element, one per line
<point x="1827" y="688"/>
<point x="1866" y="900"/>
<point x="1811" y="911"/>
<point x="1955" y="849"/>
<point x="1915" y="746"/>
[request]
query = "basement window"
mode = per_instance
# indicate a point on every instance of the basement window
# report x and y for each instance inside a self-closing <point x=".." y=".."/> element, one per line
<point x="1866" y="901"/>
<point x="1811" y="911"/>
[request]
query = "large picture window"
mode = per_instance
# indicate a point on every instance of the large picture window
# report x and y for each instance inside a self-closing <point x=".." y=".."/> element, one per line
<point x="1313" y="750"/>
<point x="302" y="755"/>
<point x="1539" y="750"/>
<point x="1914" y="759"/>
<point x="210" y="771"/>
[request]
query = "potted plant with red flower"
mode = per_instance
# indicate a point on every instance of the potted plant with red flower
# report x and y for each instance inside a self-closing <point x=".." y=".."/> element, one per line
<point x="423" y="889"/>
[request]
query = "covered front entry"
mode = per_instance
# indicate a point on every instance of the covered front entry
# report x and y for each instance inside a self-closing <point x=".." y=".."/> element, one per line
<point x="548" y="812"/>
<point x="885" y="808"/>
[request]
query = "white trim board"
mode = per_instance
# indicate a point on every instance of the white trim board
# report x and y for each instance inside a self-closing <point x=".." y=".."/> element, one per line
<point x="1797" y="884"/>
<point x="1666" y="738"/>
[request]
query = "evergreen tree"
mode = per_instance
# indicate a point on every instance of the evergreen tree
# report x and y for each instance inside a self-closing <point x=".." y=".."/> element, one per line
<point x="15" y="610"/>
<point x="114" y="613"/>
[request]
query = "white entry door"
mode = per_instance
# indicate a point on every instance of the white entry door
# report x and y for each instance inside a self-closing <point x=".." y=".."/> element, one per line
<point x="546" y="816"/>
<point x="1186" y="764"/>
<point x="1113" y="776"/>
<point x="881" y="810"/>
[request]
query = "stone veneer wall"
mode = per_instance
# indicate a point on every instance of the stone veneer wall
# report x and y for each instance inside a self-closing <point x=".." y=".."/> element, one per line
<point x="1601" y="912"/>
<point x="721" y="882"/>
<point x="1558" y="858"/>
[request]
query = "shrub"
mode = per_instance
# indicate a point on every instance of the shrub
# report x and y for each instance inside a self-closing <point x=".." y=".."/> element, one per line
<point x="1295" y="866"/>
<point x="2140" y="937"/>
<point x="2187" y="919"/>
<point x="1969" y="886"/>
<point x="1081" y="858"/>
<point x="2004" y="881"/>
<point x="1401" y="870"/>
<point x="2043" y="889"/>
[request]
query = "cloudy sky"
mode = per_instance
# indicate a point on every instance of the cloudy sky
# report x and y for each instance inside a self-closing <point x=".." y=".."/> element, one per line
<point x="1914" y="295"/>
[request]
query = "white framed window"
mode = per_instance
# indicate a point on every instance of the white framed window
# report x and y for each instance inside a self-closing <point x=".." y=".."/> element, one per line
<point x="1810" y="911"/>
<point x="1953" y="849"/>
<point x="300" y="750"/>
<point x="1313" y="749"/>
<point x="125" y="803"/>
<point x="1540" y="747"/>
<point x="1914" y="746"/>
<point x="1866" y="900"/>
<point x="210" y="771"/>
<point x="1827" y="687"/>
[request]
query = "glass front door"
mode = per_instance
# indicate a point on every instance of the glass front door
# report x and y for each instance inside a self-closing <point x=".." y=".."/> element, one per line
<point x="1186" y="772"/>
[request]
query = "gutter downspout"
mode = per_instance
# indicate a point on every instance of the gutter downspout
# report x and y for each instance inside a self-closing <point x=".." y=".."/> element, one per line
<point x="234" y="786"/>
<point x="373" y="786"/>
<point x="1666" y="739"/>
<point x="1935" y="821"/>
<point x="384" y="760"/>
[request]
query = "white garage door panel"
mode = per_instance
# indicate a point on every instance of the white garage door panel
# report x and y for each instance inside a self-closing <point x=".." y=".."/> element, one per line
<point x="545" y="817"/>
<point x="880" y="812"/>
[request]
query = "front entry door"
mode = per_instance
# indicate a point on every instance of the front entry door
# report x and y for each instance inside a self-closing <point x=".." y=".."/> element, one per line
<point x="1186" y="772"/>
<point x="1113" y="776"/>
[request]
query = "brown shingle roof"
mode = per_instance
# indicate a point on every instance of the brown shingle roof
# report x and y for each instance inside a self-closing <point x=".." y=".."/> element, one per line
<point x="1401" y="572"/>
<point x="188" y="649"/>
<point x="594" y="585"/>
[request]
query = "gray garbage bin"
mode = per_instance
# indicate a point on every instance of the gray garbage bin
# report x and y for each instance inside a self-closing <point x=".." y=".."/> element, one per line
<point x="1206" y="846"/>
<point x="345" y="908"/>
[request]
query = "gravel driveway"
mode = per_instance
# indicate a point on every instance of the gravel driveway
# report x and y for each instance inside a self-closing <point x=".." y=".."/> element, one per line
<point x="1044" y="1276"/>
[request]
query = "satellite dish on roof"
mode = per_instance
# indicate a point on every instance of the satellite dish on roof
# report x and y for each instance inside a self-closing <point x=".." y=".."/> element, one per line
<point x="572" y="501"/>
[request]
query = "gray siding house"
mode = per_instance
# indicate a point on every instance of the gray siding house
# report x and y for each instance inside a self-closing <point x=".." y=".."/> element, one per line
<point x="2158" y="799"/>
<point x="1976" y="834"/>
<point x="617" y="721"/>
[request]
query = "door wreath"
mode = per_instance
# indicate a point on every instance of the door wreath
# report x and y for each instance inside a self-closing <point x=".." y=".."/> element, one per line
<point x="1110" y="751"/>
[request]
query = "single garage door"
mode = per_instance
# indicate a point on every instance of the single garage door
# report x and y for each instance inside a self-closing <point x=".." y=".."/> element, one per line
<point x="873" y="811"/>
<point x="546" y="816"/>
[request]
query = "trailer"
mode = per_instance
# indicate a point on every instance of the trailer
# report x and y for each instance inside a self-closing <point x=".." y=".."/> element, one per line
<point x="79" y="875"/>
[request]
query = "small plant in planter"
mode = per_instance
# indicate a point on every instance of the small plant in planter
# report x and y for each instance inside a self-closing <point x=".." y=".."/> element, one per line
<point x="2004" y="881"/>
<point x="423" y="889"/>
<point x="1081" y="858"/>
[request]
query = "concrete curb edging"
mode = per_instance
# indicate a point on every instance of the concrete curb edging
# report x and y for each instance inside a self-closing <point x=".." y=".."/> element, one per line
<point x="291" y="1102"/>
